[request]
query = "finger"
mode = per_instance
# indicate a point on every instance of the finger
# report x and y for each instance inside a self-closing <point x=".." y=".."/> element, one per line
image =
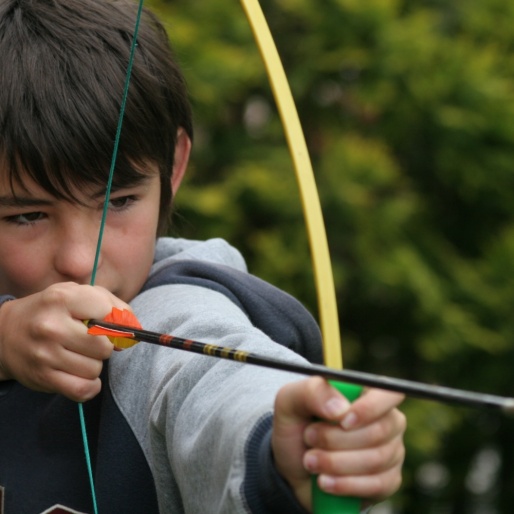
<point x="100" y="303"/>
<point x="372" y="405"/>
<point x="372" y="487"/>
<point x="80" y="366"/>
<point x="356" y="462"/>
<point x="82" y="301"/>
<point x="95" y="347"/>
<point x="75" y="388"/>
<point x="47" y="360"/>
<point x="60" y="334"/>
<point x="99" y="348"/>
<point x="327" y="436"/>
<point x="65" y="361"/>
<point x="313" y="397"/>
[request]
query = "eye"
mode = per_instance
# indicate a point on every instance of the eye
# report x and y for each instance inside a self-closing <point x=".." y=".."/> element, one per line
<point x="122" y="202"/>
<point x="27" y="218"/>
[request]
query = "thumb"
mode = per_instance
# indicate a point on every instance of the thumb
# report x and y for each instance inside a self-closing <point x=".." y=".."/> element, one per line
<point x="313" y="397"/>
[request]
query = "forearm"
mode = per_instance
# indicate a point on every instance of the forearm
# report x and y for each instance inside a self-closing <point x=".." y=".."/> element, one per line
<point x="208" y="420"/>
<point x="265" y="490"/>
<point x="3" y="299"/>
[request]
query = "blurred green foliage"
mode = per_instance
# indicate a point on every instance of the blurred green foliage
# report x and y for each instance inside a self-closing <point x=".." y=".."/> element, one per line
<point x="408" y="112"/>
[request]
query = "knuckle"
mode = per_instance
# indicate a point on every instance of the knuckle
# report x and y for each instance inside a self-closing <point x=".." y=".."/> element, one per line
<point x="39" y="357"/>
<point x="379" y="487"/>
<point x="329" y="462"/>
<point x="386" y="462"/>
<point x="401" y="421"/>
<point x="38" y="378"/>
<point x="315" y="386"/>
<point x="96" y="369"/>
<point x="400" y="453"/>
<point x="380" y="432"/>
<point x="380" y="458"/>
<point x="281" y="397"/>
<point x="389" y="428"/>
<point x="106" y="349"/>
<point x="45" y="329"/>
<point x="322" y="437"/>
<point x="387" y="484"/>
<point x="316" y="382"/>
<point x="397" y="482"/>
<point x="55" y="294"/>
<point x="84" y="390"/>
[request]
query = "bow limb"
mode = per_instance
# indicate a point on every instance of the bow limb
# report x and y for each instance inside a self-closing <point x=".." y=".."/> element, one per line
<point x="325" y="288"/>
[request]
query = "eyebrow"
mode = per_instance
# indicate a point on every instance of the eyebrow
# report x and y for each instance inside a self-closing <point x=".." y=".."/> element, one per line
<point x="29" y="201"/>
<point x="22" y="201"/>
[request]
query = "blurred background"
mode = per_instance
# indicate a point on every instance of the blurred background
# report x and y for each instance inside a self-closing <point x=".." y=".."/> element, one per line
<point x="408" y="112"/>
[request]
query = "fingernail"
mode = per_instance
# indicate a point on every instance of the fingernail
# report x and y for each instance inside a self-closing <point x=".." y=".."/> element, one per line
<point x="349" y="421"/>
<point x="311" y="463"/>
<point x="336" y="406"/>
<point x="327" y="483"/>
<point x="311" y="436"/>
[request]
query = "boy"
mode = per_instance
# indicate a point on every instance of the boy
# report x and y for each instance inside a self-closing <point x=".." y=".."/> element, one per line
<point x="168" y="431"/>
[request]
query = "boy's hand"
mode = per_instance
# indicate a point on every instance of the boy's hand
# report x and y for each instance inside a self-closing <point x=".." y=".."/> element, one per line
<point x="359" y="453"/>
<point x="45" y="346"/>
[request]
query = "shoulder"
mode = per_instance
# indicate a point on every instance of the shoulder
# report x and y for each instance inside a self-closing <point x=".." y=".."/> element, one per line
<point x="276" y="313"/>
<point x="216" y="251"/>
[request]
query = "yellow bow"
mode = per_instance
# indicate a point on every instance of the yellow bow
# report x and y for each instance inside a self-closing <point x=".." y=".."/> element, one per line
<point x="324" y="280"/>
<point x="325" y="288"/>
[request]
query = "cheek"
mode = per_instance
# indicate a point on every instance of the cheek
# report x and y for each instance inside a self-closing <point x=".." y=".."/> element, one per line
<point x="22" y="272"/>
<point x="132" y="256"/>
<point x="139" y="253"/>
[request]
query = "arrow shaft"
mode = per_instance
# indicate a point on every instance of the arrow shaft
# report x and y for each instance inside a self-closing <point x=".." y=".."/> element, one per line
<point x="408" y="387"/>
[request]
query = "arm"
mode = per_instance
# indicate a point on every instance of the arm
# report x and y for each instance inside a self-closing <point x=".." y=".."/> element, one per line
<point x="205" y="413"/>
<point x="359" y="453"/>
<point x="4" y="299"/>
<point x="45" y="346"/>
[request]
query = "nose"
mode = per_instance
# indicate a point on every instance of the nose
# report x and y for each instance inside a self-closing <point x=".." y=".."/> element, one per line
<point x="75" y="248"/>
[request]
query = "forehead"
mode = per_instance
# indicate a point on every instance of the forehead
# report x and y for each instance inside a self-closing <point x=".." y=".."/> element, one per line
<point x="25" y="192"/>
<point x="18" y="182"/>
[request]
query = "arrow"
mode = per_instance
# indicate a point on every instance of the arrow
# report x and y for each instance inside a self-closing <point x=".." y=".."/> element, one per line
<point x="410" y="388"/>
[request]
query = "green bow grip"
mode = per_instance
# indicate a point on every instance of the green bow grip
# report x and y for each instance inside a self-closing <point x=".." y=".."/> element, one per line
<point x="324" y="503"/>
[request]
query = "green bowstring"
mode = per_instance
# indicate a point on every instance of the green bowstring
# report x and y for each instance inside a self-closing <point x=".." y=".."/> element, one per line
<point x="102" y="226"/>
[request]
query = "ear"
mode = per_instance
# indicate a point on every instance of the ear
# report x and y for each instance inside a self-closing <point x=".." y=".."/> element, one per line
<point x="181" y="158"/>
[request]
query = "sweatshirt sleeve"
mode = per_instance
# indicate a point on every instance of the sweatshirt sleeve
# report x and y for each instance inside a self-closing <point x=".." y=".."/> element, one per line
<point x="199" y="418"/>
<point x="5" y="298"/>
<point x="264" y="489"/>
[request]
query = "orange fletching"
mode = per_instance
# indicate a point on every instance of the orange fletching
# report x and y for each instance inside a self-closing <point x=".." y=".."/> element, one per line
<point x="118" y="337"/>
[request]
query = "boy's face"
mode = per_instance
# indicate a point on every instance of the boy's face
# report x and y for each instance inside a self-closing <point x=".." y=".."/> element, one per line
<point x="44" y="240"/>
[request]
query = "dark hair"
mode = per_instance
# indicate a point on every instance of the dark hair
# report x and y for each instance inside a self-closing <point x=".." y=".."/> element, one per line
<point x="62" y="71"/>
